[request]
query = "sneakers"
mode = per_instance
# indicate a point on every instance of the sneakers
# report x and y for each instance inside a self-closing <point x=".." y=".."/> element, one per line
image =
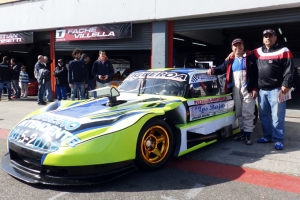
<point x="0" y="99"/>
<point x="263" y="140"/>
<point x="9" y="99"/>
<point x="14" y="97"/>
<point x="42" y="103"/>
<point x="240" y="137"/>
<point x="248" y="140"/>
<point x="278" y="146"/>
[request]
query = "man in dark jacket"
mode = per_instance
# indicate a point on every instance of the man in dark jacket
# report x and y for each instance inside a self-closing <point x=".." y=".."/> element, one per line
<point x="61" y="75"/>
<point x="276" y="67"/>
<point x="77" y="75"/>
<point x="103" y="70"/>
<point x="241" y="79"/>
<point x="5" y="77"/>
<point x="91" y="79"/>
<point x="15" y="78"/>
<point x="41" y="82"/>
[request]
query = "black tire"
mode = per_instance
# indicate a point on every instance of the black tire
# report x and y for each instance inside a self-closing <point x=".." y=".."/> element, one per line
<point x="154" y="145"/>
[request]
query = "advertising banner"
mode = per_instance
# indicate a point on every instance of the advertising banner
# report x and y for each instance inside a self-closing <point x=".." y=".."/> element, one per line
<point x="97" y="32"/>
<point x="16" y="38"/>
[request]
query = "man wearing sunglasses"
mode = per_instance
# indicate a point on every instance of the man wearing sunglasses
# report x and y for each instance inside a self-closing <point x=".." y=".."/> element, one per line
<point x="275" y="74"/>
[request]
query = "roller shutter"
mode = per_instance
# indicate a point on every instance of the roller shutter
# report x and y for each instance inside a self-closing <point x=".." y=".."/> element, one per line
<point x="231" y="21"/>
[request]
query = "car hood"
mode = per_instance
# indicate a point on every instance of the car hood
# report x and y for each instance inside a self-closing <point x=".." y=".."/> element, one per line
<point x="47" y="131"/>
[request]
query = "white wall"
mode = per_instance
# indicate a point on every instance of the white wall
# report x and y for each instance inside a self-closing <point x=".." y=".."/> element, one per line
<point x="51" y="14"/>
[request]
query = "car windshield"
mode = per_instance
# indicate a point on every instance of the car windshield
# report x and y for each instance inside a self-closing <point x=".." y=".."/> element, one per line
<point x="153" y="85"/>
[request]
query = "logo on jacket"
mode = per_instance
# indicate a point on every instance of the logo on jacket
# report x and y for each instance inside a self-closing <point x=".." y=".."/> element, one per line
<point x="270" y="61"/>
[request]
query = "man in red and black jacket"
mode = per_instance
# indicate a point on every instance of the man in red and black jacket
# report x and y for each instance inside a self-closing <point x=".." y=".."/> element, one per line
<point x="276" y="68"/>
<point x="241" y="79"/>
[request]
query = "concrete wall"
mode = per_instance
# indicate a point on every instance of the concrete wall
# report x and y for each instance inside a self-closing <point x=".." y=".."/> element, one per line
<point x="51" y="14"/>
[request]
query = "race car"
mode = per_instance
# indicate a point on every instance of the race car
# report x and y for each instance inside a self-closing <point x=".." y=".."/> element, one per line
<point x="153" y="115"/>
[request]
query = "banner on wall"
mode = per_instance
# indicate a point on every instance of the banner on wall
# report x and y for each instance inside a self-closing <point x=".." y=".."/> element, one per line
<point x="16" y="38"/>
<point x="97" y="32"/>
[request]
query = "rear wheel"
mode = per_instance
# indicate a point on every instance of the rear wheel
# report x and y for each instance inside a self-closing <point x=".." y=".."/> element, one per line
<point x="154" y="146"/>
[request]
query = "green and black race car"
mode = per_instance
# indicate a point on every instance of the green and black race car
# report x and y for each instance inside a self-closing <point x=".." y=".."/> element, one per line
<point x="153" y="115"/>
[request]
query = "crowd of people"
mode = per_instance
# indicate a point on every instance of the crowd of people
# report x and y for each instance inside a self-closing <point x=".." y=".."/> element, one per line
<point x="80" y="76"/>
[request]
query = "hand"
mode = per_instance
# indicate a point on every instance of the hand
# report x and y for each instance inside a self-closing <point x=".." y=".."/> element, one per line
<point x="86" y="85"/>
<point x="71" y="85"/>
<point x="209" y="72"/>
<point x="105" y="77"/>
<point x="230" y="56"/>
<point x="100" y="77"/>
<point x="254" y="94"/>
<point x="285" y="89"/>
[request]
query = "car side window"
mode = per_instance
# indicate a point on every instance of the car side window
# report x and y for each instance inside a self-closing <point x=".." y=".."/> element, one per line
<point x="205" y="88"/>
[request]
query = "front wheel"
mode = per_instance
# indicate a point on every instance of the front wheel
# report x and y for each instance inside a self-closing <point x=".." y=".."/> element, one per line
<point x="154" y="146"/>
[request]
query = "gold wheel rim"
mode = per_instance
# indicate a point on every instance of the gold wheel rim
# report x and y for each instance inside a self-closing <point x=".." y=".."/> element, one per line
<point x="155" y="144"/>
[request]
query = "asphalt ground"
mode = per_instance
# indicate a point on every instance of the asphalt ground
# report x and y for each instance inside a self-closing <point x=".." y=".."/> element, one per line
<point x="224" y="170"/>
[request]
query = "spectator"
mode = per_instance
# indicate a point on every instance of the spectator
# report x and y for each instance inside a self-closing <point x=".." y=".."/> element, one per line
<point x="48" y="89"/>
<point x="276" y="67"/>
<point x="103" y="70"/>
<point x="15" y="78"/>
<point x="24" y="80"/>
<point x="5" y="77"/>
<point x="91" y="79"/>
<point x="77" y="75"/>
<point x="242" y="82"/>
<point x="61" y="75"/>
<point x="41" y="81"/>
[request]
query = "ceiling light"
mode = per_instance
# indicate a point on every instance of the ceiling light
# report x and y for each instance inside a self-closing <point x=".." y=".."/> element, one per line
<point x="285" y="39"/>
<point x="280" y="31"/>
<point x="178" y="39"/>
<point x="195" y="43"/>
<point x="19" y="51"/>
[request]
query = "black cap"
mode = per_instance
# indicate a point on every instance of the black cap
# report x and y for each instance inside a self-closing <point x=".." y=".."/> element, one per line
<point x="270" y="31"/>
<point x="237" y="40"/>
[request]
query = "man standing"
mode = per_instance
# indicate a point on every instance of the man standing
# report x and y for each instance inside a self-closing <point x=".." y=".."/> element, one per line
<point x="41" y="82"/>
<point x="103" y="70"/>
<point x="15" y="78"/>
<point x="48" y="89"/>
<point x="91" y="79"/>
<point x="77" y="75"/>
<point x="61" y="75"/>
<point x="5" y="77"/>
<point x="276" y="68"/>
<point x="241" y="79"/>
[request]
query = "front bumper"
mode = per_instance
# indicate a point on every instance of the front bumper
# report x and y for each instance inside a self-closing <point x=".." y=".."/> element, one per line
<point x="80" y="175"/>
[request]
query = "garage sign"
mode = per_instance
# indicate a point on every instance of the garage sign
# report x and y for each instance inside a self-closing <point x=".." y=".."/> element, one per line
<point x="16" y="38"/>
<point x="97" y="32"/>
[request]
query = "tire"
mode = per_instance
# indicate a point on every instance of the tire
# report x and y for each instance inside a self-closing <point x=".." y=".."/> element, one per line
<point x="154" y="145"/>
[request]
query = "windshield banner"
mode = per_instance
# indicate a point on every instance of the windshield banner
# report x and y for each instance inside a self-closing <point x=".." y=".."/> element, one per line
<point x="16" y="38"/>
<point x="97" y="32"/>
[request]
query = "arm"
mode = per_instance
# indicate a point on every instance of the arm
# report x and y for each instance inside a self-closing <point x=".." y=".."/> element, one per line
<point x="70" y="71"/>
<point x="111" y="70"/>
<point x="221" y="69"/>
<point x="95" y="69"/>
<point x="288" y="72"/>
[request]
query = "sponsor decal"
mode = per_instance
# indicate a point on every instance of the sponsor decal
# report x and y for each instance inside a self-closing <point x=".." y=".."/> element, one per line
<point x="97" y="32"/>
<point x="208" y="110"/>
<point x="202" y="78"/>
<point x="210" y="100"/>
<point x="159" y="75"/>
<point x="16" y="38"/>
<point x="45" y="133"/>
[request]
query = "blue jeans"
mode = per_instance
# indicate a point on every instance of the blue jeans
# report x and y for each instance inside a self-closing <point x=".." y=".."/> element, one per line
<point x="91" y="86"/>
<point x="41" y="90"/>
<point x="48" y="91"/>
<point x="8" y="87"/>
<point x="61" y="92"/>
<point x="77" y="86"/>
<point x="17" y="89"/>
<point x="272" y="115"/>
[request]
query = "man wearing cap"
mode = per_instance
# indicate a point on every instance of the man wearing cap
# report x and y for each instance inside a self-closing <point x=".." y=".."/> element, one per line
<point x="241" y="79"/>
<point x="275" y="67"/>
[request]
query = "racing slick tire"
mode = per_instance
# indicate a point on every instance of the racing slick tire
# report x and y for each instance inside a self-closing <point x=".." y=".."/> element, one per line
<point x="154" y="145"/>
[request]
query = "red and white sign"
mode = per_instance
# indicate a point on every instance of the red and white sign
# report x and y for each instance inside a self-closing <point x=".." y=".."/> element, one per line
<point x="97" y="32"/>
